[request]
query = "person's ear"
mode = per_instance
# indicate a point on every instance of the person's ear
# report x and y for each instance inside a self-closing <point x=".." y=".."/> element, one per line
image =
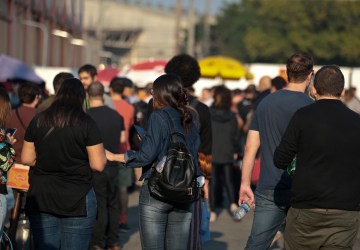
<point x="310" y="76"/>
<point x="313" y="89"/>
<point x="37" y="99"/>
<point x="95" y="78"/>
<point x="342" y="93"/>
<point x="314" y="92"/>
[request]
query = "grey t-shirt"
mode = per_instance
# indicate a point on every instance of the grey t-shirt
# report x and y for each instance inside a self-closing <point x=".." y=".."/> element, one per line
<point x="108" y="101"/>
<point x="271" y="119"/>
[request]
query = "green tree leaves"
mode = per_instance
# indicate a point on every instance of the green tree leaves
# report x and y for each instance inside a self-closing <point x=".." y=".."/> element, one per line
<point x="270" y="31"/>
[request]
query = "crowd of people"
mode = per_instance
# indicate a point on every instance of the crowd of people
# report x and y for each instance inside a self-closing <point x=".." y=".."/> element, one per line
<point x="85" y="155"/>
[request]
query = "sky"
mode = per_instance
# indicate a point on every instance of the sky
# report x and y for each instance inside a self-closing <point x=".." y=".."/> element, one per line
<point x="215" y="4"/>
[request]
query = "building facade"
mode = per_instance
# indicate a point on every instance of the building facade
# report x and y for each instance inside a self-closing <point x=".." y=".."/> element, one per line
<point x="43" y="32"/>
<point x="129" y="33"/>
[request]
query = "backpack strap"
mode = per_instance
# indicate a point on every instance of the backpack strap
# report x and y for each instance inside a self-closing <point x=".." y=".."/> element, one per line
<point x="173" y="132"/>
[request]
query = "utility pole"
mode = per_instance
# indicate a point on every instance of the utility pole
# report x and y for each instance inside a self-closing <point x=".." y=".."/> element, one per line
<point x="178" y="12"/>
<point x="191" y="28"/>
<point x="206" y="38"/>
<point x="99" y="31"/>
<point x="45" y="39"/>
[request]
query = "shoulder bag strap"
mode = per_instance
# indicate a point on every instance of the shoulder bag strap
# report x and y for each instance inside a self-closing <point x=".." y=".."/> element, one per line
<point x="48" y="133"/>
<point x="41" y="142"/>
<point x="19" y="118"/>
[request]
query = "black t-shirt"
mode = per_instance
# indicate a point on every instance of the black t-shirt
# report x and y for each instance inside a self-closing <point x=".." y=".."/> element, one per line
<point x="62" y="176"/>
<point x="110" y="124"/>
<point x="205" y="126"/>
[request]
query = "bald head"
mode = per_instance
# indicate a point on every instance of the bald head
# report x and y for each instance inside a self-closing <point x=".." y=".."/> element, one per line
<point x="95" y="90"/>
<point x="264" y="83"/>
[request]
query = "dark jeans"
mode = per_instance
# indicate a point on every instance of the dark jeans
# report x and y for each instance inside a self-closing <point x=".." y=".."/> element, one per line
<point x="163" y="225"/>
<point x="222" y="176"/>
<point x="321" y="229"/>
<point x="52" y="232"/>
<point x="107" y="195"/>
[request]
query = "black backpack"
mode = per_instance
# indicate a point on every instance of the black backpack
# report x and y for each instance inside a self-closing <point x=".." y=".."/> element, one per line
<point x="177" y="181"/>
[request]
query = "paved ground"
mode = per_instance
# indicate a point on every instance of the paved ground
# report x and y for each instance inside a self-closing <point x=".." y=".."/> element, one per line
<point x="226" y="234"/>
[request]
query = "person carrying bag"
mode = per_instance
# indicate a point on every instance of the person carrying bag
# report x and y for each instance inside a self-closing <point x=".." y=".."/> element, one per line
<point x="165" y="223"/>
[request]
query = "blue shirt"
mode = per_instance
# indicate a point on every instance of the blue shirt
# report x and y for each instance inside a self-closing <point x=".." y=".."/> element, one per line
<point x="155" y="142"/>
<point x="271" y="119"/>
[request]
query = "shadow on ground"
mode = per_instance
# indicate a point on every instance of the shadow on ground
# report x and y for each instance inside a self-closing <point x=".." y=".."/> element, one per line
<point x="214" y="244"/>
<point x="133" y="223"/>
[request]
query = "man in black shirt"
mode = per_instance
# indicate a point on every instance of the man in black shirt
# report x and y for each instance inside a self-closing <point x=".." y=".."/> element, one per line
<point x="111" y="125"/>
<point x="325" y="138"/>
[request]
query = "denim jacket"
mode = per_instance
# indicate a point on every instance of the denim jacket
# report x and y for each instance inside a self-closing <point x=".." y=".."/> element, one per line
<point x="155" y="142"/>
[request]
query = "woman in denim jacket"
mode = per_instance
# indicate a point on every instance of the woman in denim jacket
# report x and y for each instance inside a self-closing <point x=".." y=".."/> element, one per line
<point x="163" y="225"/>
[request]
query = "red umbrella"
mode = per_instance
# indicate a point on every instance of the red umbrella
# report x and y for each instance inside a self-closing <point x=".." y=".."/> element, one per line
<point x="157" y="65"/>
<point x="106" y="75"/>
<point x="145" y="72"/>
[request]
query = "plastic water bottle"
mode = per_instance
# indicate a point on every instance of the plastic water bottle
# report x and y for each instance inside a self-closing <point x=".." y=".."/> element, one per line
<point x="160" y="165"/>
<point x="241" y="211"/>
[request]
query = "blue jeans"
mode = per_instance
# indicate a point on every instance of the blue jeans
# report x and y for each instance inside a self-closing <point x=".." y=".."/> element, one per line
<point x="270" y="213"/>
<point x="3" y="211"/>
<point x="51" y="232"/>
<point x="205" y="222"/>
<point x="163" y="225"/>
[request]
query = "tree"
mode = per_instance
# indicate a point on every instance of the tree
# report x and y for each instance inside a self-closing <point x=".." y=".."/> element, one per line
<point x="270" y="31"/>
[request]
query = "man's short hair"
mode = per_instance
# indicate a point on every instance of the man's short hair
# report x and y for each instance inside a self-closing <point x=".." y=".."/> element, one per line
<point x="117" y="85"/>
<point x="96" y="89"/>
<point x="90" y="69"/>
<point x="278" y="82"/>
<point x="27" y="92"/>
<point x="127" y="82"/>
<point x="59" y="79"/>
<point x="299" y="66"/>
<point x="329" y="81"/>
<point x="237" y="92"/>
<point x="186" y="67"/>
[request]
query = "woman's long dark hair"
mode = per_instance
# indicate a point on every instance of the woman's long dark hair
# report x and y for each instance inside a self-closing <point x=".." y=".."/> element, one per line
<point x="67" y="109"/>
<point x="168" y="91"/>
<point x="222" y="98"/>
<point x="5" y="107"/>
